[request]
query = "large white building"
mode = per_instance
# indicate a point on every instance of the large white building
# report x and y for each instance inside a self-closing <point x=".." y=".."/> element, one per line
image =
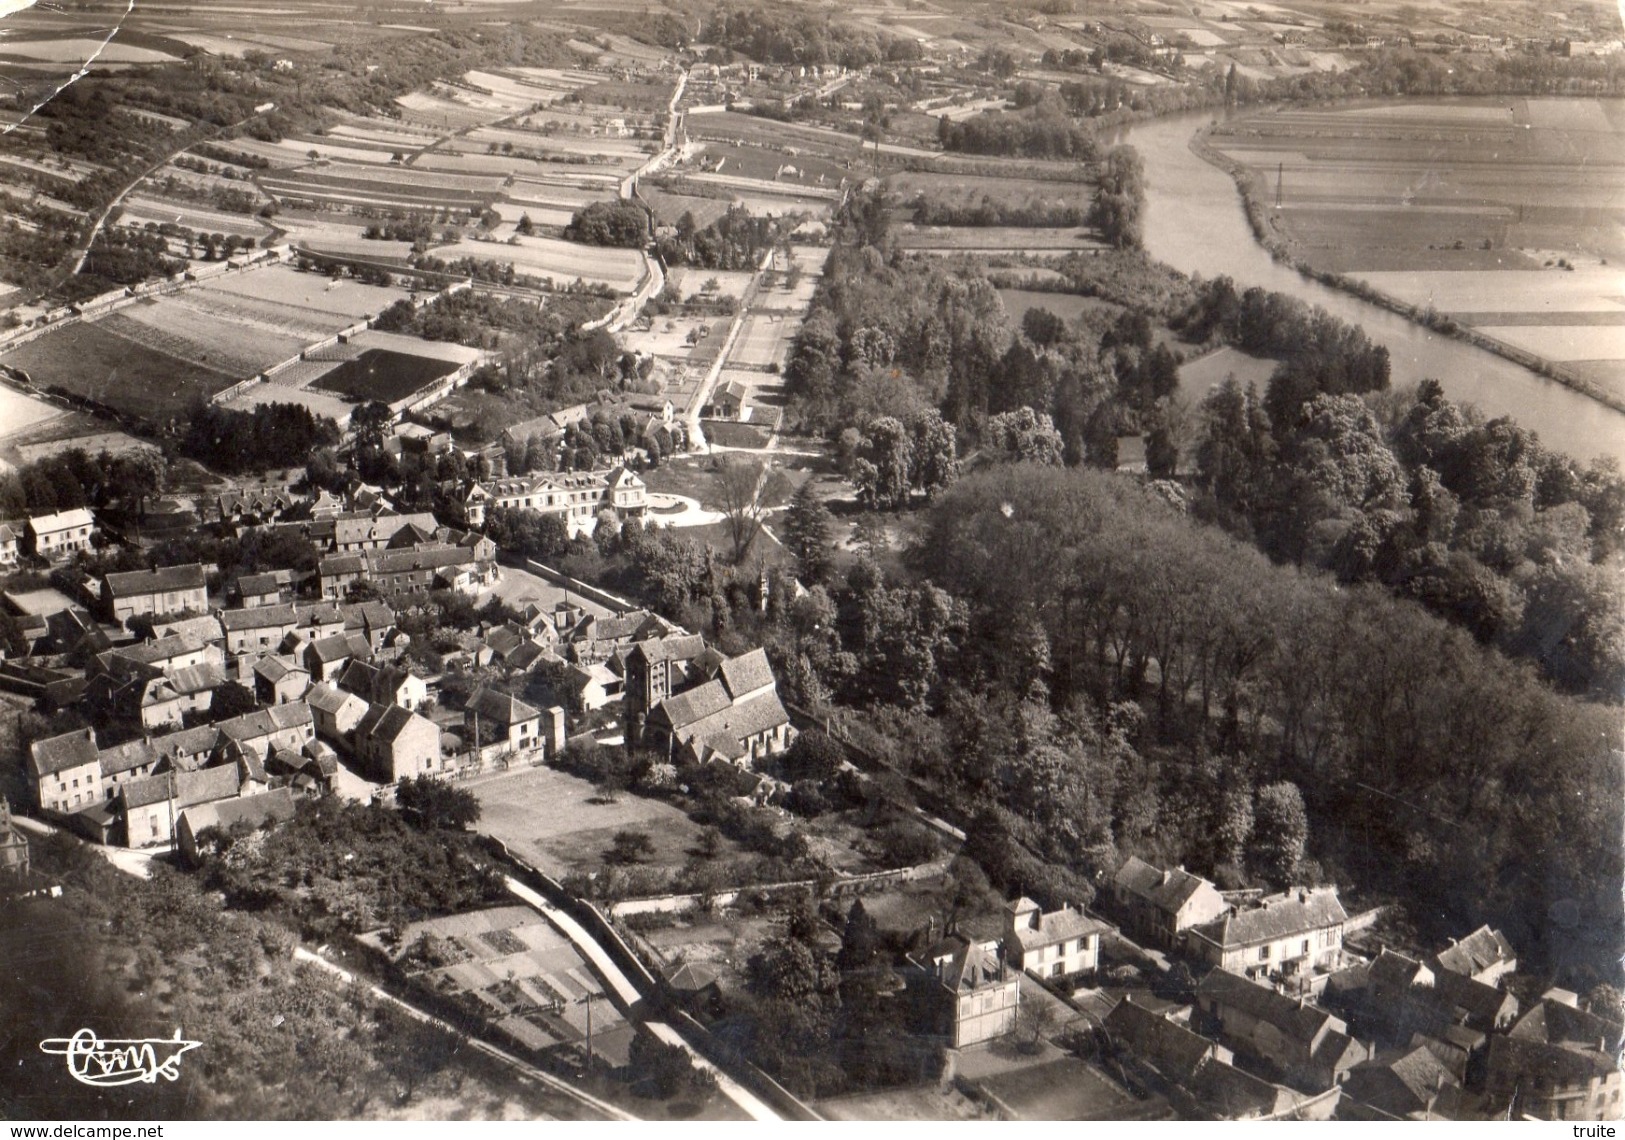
<point x="577" y="496"/>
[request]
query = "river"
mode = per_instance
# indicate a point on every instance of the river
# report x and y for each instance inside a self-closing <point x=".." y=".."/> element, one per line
<point x="1194" y="221"/>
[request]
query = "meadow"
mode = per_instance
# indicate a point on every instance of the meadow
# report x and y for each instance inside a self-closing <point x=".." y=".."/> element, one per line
<point x="87" y="360"/>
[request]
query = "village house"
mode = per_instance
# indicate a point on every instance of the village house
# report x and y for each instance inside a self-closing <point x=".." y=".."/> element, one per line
<point x="64" y="772"/>
<point x="975" y="995"/>
<point x="268" y="589"/>
<point x="494" y="716"/>
<point x="352" y="534"/>
<point x="1058" y="944"/>
<point x="327" y="657"/>
<point x="1304" y="1045"/>
<point x="11" y="543"/>
<point x="274" y="806"/>
<point x="591" y="687"/>
<point x="393" y="744"/>
<point x="1556" y="1063"/>
<point x="259" y="629"/>
<point x="340" y="573"/>
<point x="736" y="716"/>
<point x="155" y="593"/>
<point x="1485" y="956"/>
<point x="263" y="731"/>
<point x="384" y="685"/>
<point x="335" y="712"/>
<point x="373" y="620"/>
<point x="1198" y="1075"/>
<point x="202" y="630"/>
<point x="729" y="400"/>
<point x="1406" y="1084"/>
<point x="278" y="680"/>
<point x="1295" y="937"/>
<point x="148" y="806"/>
<point x="60" y="533"/>
<point x="155" y="698"/>
<point x="594" y="638"/>
<point x="1158" y="906"/>
<point x="161" y="654"/>
<point x="125" y="762"/>
<point x="264" y="504"/>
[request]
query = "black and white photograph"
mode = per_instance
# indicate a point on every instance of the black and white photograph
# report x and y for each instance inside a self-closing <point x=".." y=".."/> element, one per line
<point x="909" y="561"/>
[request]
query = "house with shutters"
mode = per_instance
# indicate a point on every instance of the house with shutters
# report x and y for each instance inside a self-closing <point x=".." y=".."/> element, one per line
<point x="1295" y="937"/>
<point x="268" y="589"/>
<point x="158" y="592"/>
<point x="734" y="715"/>
<point x="1057" y="944"/>
<point x="1157" y="906"/>
<point x="1557" y="1062"/>
<point x="393" y="744"/>
<point x="576" y="497"/>
<point x="60" y="534"/>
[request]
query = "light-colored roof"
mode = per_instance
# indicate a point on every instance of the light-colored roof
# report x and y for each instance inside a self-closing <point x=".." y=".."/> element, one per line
<point x="1059" y="926"/>
<point x="500" y="707"/>
<point x="1296" y="1022"/>
<point x="1478" y="951"/>
<point x="747" y="673"/>
<point x="127" y="757"/>
<point x="386" y="723"/>
<point x="61" y="520"/>
<point x="329" y="699"/>
<point x="1275" y="917"/>
<point x="1165" y="890"/>
<point x="277" y="804"/>
<point x="258" y="617"/>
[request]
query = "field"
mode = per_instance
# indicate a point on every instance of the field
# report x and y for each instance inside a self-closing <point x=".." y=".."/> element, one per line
<point x="996" y="239"/>
<point x="282" y="285"/>
<point x="550" y="817"/>
<point x="971" y="190"/>
<point x="1364" y="186"/>
<point x="763" y="341"/>
<point x="562" y="261"/>
<point x="1068" y="306"/>
<point x="1198" y="376"/>
<point x="87" y="360"/>
<point x="19" y="411"/>
<point x="378" y="374"/>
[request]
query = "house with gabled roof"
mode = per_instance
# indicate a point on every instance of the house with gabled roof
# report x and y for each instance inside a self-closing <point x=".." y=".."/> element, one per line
<point x="335" y="712"/>
<point x="11" y="543"/>
<point x="278" y="680"/>
<point x="393" y="744"/>
<point x="269" y="589"/>
<point x="64" y="772"/>
<point x="155" y="593"/>
<point x="384" y="685"/>
<point x="327" y="657"/>
<point x="263" y="731"/>
<point x="975" y="995"/>
<point x="60" y="534"/>
<point x="374" y="620"/>
<point x="1485" y="956"/>
<point x="1303" y="1045"/>
<point x="508" y="721"/>
<point x="204" y="630"/>
<point x="339" y="573"/>
<point x="270" y="807"/>
<point x="1158" y="905"/>
<point x="259" y="629"/>
<point x="1296" y="936"/>
<point x="148" y="806"/>
<point x="1056" y="944"/>
<point x="1557" y="1062"/>
<point x="1405" y="1084"/>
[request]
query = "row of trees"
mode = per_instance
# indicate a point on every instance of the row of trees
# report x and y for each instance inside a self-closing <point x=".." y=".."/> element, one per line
<point x="271" y="435"/>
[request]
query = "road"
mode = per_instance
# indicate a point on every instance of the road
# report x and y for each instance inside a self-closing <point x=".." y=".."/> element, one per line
<point x="629" y="995"/>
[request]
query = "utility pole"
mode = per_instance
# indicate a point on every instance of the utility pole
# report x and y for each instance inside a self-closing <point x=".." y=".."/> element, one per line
<point x="587" y="1001"/>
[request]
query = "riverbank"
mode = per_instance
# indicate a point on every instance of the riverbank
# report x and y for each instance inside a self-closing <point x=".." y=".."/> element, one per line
<point x="1255" y="198"/>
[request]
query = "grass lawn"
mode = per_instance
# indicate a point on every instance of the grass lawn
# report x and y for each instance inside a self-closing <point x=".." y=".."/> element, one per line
<point x="550" y="817"/>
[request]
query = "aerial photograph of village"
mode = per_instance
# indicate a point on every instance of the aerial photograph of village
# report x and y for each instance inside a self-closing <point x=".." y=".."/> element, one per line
<point x="775" y="560"/>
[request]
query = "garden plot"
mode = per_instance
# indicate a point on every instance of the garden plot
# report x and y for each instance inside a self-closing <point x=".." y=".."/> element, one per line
<point x="284" y="285"/>
<point x="140" y="208"/>
<point x="763" y="341"/>
<point x="563" y="261"/>
<point x="690" y="283"/>
<point x="237" y="347"/>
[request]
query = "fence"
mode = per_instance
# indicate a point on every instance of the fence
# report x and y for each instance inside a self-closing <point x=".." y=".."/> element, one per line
<point x="615" y="604"/>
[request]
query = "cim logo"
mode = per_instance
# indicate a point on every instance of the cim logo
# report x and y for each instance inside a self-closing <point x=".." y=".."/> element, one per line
<point x="94" y="1061"/>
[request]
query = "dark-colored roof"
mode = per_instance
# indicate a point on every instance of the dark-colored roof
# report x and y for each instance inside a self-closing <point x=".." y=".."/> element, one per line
<point x="1393" y="971"/>
<point x="691" y="977"/>
<point x="500" y="707"/>
<point x="277" y="804"/>
<point x="1058" y="926"/>
<point x="59" y="753"/>
<point x="127" y="757"/>
<point x="254" y="585"/>
<point x="1165" y="890"/>
<point x="258" y="617"/>
<point x="420" y="558"/>
<point x="1478" y="951"/>
<point x="747" y="673"/>
<point x="336" y="564"/>
<point x="273" y="669"/>
<point x="1279" y="916"/>
<point x="1175" y="1051"/>
<point x="386" y="723"/>
<point x="156" y="581"/>
<point x="1556" y="1023"/>
<point x="690" y="707"/>
<point x="1295" y="1021"/>
<point x="153" y="652"/>
<point x="676" y="647"/>
<point x="334" y="647"/>
<point x="263" y="722"/>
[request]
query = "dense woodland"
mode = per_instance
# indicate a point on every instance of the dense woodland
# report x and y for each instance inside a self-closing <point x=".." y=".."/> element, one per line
<point x="789" y="36"/>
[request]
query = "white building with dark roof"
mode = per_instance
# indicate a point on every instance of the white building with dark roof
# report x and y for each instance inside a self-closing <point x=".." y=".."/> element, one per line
<point x="736" y="716"/>
<point x="60" y="533"/>
<point x="1056" y="944"/>
<point x="1295" y="937"/>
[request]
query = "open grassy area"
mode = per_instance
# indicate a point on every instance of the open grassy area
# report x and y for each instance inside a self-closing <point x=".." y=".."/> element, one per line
<point x="87" y="360"/>
<point x="379" y="374"/>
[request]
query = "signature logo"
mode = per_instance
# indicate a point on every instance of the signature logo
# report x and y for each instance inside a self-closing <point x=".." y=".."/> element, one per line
<point x="94" y="1061"/>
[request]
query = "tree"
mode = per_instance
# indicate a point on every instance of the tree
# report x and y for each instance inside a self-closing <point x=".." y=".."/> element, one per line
<point x="231" y="699"/>
<point x="434" y="804"/>
<point x="1023" y="436"/>
<point x="741" y="484"/>
<point x="525" y="227"/>
<point x="934" y="458"/>
<point x="860" y="941"/>
<point x="813" y="756"/>
<point x="631" y="846"/>
<point x="787" y="969"/>
<point x="1280" y="832"/>
<point x="667" y="1067"/>
<point x="807" y="535"/>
